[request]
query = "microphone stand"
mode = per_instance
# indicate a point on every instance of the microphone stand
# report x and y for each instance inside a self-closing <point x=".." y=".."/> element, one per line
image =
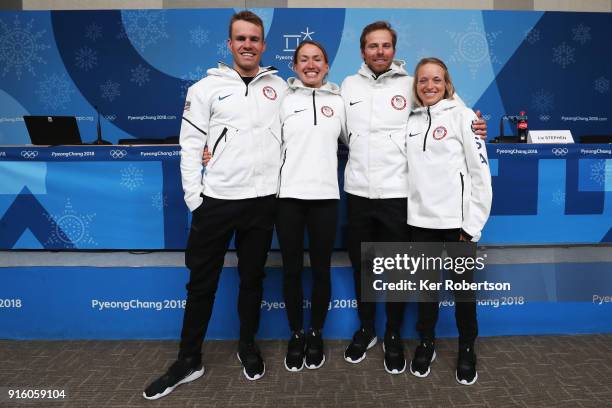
<point x="99" y="140"/>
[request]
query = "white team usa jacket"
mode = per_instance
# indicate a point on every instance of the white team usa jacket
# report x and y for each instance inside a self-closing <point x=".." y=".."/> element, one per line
<point x="377" y="110"/>
<point x="449" y="181"/>
<point x="240" y="125"/>
<point x="312" y="120"/>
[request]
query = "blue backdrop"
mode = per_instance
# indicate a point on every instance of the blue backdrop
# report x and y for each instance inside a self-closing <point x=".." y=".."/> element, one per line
<point x="136" y="65"/>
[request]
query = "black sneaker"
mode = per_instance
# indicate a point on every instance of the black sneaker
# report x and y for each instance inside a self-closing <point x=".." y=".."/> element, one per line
<point x="250" y="358"/>
<point x="395" y="363"/>
<point x="181" y="372"/>
<point x="315" y="357"/>
<point x="424" y="355"/>
<point x="466" y="373"/>
<point x="363" y="340"/>
<point x="294" y="360"/>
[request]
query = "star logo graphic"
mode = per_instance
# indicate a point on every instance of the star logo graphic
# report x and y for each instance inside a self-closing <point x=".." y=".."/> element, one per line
<point x="307" y="34"/>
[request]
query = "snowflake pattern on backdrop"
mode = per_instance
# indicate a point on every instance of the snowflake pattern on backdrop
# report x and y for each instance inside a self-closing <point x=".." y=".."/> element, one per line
<point x="600" y="172"/>
<point x="222" y="50"/>
<point x="140" y="75"/>
<point x="131" y="177"/>
<point x="20" y="47"/>
<point x="159" y="201"/>
<point x="93" y="32"/>
<point x="109" y="90"/>
<point x="558" y="198"/>
<point x="54" y="91"/>
<point x="199" y="36"/>
<point x="145" y="27"/>
<point x="404" y="33"/>
<point x="542" y="101"/>
<point x="190" y="79"/>
<point x="70" y="228"/>
<point x="563" y="55"/>
<point x="473" y="47"/>
<point x="581" y="34"/>
<point x="602" y="85"/>
<point x="86" y="58"/>
<point x="533" y="36"/>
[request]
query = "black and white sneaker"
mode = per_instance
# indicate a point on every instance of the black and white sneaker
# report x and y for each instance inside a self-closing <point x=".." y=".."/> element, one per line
<point x="466" y="373"/>
<point x="363" y="340"/>
<point x="294" y="360"/>
<point x="395" y="362"/>
<point x="424" y="355"/>
<point x="181" y="372"/>
<point x="315" y="356"/>
<point x="250" y="358"/>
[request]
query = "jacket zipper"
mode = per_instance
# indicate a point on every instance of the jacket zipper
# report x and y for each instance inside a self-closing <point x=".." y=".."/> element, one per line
<point x="223" y="134"/>
<point x="314" y="108"/>
<point x="280" y="173"/>
<point x="462" y="190"/>
<point x="247" y="86"/>
<point x="428" y="127"/>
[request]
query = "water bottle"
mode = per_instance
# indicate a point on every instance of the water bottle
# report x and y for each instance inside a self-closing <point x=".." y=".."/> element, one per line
<point x="522" y="128"/>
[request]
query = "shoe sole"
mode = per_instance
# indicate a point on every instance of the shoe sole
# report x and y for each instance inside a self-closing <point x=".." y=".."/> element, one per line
<point x="394" y="371"/>
<point x="417" y="374"/>
<point x="294" y="369"/>
<point x="465" y="382"/>
<point x="359" y="360"/>
<point x="256" y="376"/>
<point x="314" y="367"/>
<point x="191" y="377"/>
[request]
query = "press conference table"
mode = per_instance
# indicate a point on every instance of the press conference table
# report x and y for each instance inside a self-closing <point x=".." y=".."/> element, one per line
<point x="130" y="197"/>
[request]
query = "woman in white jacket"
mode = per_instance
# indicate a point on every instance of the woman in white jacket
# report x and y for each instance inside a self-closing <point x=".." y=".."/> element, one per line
<point x="449" y="199"/>
<point x="312" y="119"/>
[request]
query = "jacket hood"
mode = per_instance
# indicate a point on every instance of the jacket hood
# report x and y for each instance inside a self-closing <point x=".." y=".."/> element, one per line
<point x="225" y="70"/>
<point x="295" y="83"/>
<point x="398" y="67"/>
<point x="444" y="104"/>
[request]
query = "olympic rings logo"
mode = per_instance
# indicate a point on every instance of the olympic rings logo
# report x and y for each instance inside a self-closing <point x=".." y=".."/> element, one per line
<point x="559" y="151"/>
<point x="118" y="154"/>
<point x="29" y="154"/>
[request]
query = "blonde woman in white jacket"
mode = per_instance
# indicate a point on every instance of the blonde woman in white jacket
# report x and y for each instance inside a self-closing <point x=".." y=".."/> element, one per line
<point x="312" y="119"/>
<point x="449" y="199"/>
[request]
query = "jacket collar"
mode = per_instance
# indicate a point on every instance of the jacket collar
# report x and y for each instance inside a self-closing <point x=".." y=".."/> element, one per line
<point x="441" y="106"/>
<point x="397" y="68"/>
<point x="226" y="70"/>
<point x="327" y="87"/>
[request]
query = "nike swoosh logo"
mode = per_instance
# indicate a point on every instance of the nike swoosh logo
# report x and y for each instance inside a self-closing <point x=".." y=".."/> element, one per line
<point x="223" y="97"/>
<point x="354" y="103"/>
<point x="413" y="134"/>
<point x="298" y="111"/>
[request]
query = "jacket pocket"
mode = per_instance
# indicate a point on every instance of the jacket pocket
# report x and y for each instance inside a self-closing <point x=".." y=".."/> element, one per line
<point x="275" y="135"/>
<point x="399" y="140"/>
<point x="462" y="181"/>
<point x="221" y="144"/>
<point x="222" y="136"/>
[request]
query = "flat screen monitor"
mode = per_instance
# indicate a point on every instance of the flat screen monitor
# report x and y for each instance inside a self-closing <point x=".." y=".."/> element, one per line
<point x="53" y="130"/>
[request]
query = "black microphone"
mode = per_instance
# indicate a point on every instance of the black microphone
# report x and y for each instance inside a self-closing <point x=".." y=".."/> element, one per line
<point x="501" y="138"/>
<point x="99" y="140"/>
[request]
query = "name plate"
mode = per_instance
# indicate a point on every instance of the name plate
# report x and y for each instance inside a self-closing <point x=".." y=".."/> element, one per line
<point x="550" y="136"/>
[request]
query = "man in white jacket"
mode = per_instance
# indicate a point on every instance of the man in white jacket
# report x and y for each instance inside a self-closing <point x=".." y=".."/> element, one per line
<point x="378" y="100"/>
<point x="234" y="111"/>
